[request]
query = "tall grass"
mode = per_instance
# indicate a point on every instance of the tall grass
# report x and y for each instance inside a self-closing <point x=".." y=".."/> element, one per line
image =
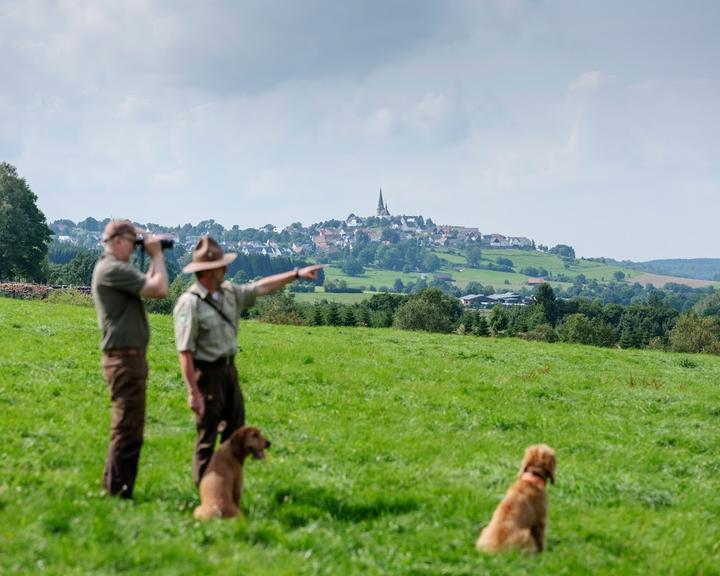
<point x="390" y="451"/>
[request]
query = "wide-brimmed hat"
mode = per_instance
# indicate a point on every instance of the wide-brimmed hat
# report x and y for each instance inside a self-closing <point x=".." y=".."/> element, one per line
<point x="118" y="228"/>
<point x="208" y="255"/>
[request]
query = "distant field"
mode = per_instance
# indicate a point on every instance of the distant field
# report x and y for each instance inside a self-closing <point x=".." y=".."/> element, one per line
<point x="371" y="277"/>
<point x="340" y="297"/>
<point x="390" y="452"/>
<point x="499" y="280"/>
<point x="659" y="280"/>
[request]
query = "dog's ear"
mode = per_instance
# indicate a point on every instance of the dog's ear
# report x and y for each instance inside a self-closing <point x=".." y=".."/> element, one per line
<point x="551" y="467"/>
<point x="527" y="459"/>
<point x="237" y="442"/>
<point x="546" y="459"/>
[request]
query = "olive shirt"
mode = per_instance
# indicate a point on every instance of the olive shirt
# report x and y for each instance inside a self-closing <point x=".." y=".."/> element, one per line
<point x="116" y="287"/>
<point x="200" y="329"/>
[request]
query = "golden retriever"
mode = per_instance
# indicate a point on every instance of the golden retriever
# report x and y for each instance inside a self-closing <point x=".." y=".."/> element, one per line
<point x="520" y="519"/>
<point x="221" y="486"/>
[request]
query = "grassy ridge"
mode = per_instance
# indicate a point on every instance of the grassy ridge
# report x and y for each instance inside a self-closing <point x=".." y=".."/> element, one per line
<point x="520" y="258"/>
<point x="390" y="450"/>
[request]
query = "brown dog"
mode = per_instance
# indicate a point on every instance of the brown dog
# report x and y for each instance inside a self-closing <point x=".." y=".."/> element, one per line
<point x="520" y="519"/>
<point x="221" y="486"/>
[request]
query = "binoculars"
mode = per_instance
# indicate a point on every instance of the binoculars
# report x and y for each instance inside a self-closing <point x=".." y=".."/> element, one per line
<point x="165" y="243"/>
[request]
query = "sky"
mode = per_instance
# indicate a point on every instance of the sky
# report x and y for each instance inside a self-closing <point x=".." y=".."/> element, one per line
<point x="594" y="124"/>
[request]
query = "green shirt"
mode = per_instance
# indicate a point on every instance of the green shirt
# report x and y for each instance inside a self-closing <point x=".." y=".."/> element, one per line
<point x="116" y="289"/>
<point x="200" y="329"/>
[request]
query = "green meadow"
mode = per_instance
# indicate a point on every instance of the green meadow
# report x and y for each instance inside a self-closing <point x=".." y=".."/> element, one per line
<point x="390" y="451"/>
<point x="455" y="264"/>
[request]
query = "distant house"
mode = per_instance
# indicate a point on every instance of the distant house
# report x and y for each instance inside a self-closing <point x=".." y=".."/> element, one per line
<point x="535" y="281"/>
<point x="474" y="300"/>
<point x="520" y="242"/>
<point x="354" y="221"/>
<point x="496" y="241"/>
<point x="505" y="299"/>
<point x="410" y="223"/>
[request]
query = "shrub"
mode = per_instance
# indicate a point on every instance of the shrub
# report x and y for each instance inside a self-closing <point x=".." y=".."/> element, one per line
<point x="279" y="308"/>
<point x="431" y="310"/>
<point x="695" y="334"/>
<point x="541" y="333"/>
<point x="70" y="296"/>
<point x="421" y="315"/>
<point x="579" y="329"/>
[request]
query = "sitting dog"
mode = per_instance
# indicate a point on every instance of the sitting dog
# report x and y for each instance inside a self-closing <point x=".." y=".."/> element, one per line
<point x="221" y="486"/>
<point x="520" y="519"/>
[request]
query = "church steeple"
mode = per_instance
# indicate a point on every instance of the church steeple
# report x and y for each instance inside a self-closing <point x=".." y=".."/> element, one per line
<point x="382" y="209"/>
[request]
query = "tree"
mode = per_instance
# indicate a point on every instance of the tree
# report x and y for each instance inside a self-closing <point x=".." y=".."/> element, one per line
<point x="77" y="272"/>
<point x="431" y="310"/>
<point x="564" y="251"/>
<point x="580" y="329"/>
<point x="693" y="333"/>
<point x="499" y="319"/>
<point x="24" y="233"/>
<point x="545" y="297"/>
<point x="505" y="262"/>
<point x="431" y="263"/>
<point x="619" y="275"/>
<point x="353" y="267"/>
<point x="332" y="317"/>
<point x="474" y="256"/>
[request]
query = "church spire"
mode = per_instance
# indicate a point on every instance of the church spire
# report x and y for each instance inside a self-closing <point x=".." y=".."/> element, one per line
<point x="382" y="209"/>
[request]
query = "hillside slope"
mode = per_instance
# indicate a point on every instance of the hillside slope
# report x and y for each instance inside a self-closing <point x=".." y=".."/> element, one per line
<point x="390" y="451"/>
<point x="700" y="268"/>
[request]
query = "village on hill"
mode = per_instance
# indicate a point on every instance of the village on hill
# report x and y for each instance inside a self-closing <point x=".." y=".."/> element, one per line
<point x="321" y="238"/>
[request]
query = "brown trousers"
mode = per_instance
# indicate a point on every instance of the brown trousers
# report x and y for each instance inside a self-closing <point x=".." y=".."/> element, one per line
<point x="224" y="401"/>
<point x="125" y="376"/>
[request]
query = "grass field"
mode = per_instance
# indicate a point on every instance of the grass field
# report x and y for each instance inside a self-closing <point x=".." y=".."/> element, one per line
<point x="390" y="451"/>
<point x="340" y="297"/>
<point x="499" y="280"/>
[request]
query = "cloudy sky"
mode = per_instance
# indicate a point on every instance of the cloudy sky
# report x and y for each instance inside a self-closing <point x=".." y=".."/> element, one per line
<point x="595" y="124"/>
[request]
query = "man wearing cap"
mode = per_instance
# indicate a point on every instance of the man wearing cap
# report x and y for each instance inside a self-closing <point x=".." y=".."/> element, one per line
<point x="116" y="288"/>
<point x="206" y="323"/>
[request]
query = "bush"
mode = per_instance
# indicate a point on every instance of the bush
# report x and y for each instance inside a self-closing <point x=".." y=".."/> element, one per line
<point x="421" y="315"/>
<point x="353" y="267"/>
<point x="279" y="308"/>
<point x="579" y="329"/>
<point x="70" y="296"/>
<point x="431" y="310"/>
<point x="541" y="333"/>
<point x="506" y="262"/>
<point x="695" y="334"/>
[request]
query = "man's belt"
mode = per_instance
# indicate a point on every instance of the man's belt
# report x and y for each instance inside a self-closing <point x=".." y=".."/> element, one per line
<point x="222" y="361"/>
<point x="123" y="352"/>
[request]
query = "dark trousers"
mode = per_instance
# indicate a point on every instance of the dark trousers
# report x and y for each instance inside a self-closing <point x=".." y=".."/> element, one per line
<point x="125" y="376"/>
<point x="219" y="387"/>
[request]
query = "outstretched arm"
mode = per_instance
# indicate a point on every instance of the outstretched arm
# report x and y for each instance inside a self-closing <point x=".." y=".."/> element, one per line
<point x="270" y="284"/>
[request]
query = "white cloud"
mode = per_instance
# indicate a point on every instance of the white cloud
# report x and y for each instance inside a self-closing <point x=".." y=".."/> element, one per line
<point x="587" y="81"/>
<point x="467" y="112"/>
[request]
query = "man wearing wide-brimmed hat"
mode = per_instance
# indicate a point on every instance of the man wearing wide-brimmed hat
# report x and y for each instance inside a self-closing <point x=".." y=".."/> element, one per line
<point x="117" y="288"/>
<point x="206" y="323"/>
